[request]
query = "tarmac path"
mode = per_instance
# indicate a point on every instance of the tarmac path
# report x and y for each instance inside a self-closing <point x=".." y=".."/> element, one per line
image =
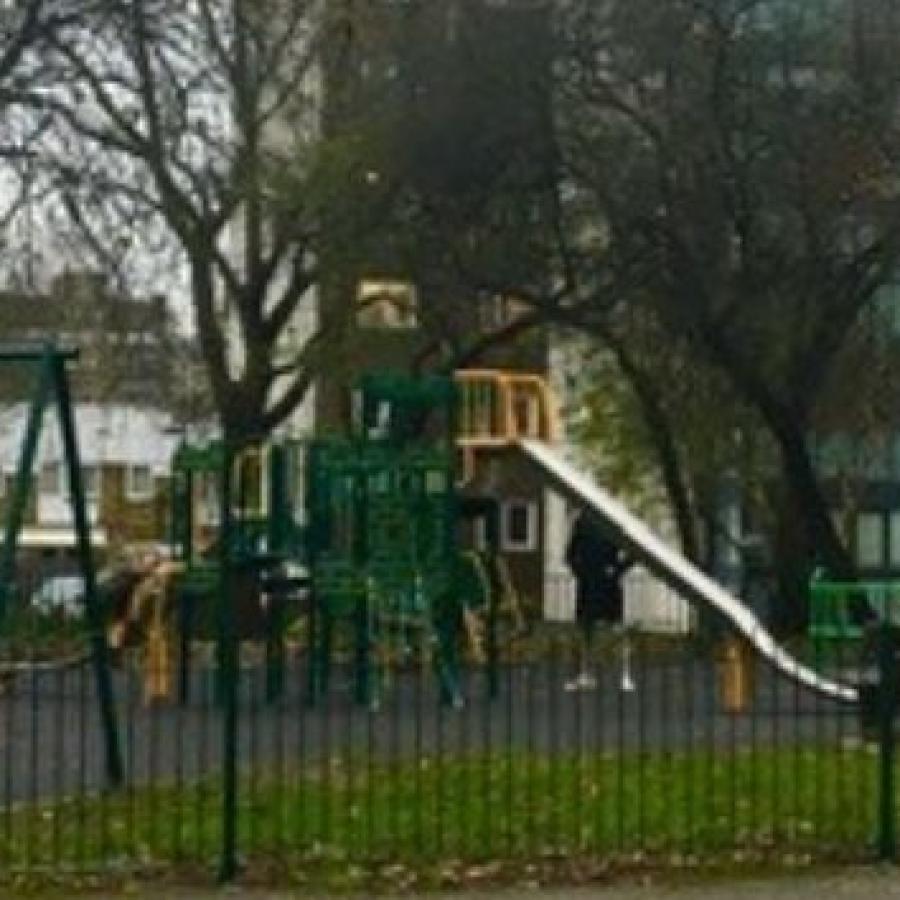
<point x="51" y="739"/>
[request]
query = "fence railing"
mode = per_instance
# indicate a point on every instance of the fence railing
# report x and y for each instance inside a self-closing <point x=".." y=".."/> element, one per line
<point x="544" y="755"/>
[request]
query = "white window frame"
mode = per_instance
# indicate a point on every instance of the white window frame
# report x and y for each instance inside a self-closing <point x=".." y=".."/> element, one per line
<point x="480" y="535"/>
<point x="510" y="543"/>
<point x="92" y="472"/>
<point x="132" y="490"/>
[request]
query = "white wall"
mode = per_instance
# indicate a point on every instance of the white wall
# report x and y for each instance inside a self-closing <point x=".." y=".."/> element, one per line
<point x="106" y="435"/>
<point x="649" y="604"/>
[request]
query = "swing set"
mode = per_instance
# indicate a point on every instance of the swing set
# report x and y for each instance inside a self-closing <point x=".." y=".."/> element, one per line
<point x="48" y="366"/>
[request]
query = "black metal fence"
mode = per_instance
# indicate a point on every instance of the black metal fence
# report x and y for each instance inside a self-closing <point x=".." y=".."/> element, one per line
<point x="668" y="751"/>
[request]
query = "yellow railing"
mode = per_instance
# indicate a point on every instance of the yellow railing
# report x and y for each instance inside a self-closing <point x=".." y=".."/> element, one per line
<point x="499" y="407"/>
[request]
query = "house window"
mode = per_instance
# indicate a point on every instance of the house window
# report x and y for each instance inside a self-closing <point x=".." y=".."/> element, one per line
<point x="886" y="306"/>
<point x="520" y="526"/>
<point x="870" y="540"/>
<point x="842" y="519"/>
<point x="894" y="545"/>
<point x="90" y="480"/>
<point x="387" y="304"/>
<point x="138" y="482"/>
<point x="50" y="480"/>
<point x="497" y="311"/>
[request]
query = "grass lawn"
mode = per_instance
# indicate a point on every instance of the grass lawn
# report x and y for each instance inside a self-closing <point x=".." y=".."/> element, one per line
<point x="443" y="821"/>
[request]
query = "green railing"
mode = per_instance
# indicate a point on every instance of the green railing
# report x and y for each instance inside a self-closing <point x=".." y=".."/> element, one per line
<point x="839" y="611"/>
<point x="524" y="774"/>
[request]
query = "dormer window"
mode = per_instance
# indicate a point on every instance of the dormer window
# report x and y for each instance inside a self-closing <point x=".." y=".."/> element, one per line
<point x="386" y="304"/>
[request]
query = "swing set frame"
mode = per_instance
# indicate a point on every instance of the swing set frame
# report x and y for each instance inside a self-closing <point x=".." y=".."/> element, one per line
<point x="52" y="390"/>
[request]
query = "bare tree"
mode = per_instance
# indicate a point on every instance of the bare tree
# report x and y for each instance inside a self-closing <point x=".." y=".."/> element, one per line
<point x="200" y="127"/>
<point x="25" y="28"/>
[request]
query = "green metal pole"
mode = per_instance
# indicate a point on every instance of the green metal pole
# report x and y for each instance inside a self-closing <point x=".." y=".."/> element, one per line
<point x="181" y="512"/>
<point x="366" y="611"/>
<point x="275" y="643"/>
<point x="93" y="612"/>
<point x="228" y="677"/>
<point x="189" y="518"/>
<point x="278" y="539"/>
<point x="887" y="707"/>
<point x="22" y="487"/>
<point x="492" y="645"/>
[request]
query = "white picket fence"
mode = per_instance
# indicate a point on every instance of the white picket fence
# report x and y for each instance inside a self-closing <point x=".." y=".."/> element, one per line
<point x="649" y="605"/>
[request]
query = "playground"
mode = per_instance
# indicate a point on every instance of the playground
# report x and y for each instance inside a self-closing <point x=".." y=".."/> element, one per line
<point x="321" y="667"/>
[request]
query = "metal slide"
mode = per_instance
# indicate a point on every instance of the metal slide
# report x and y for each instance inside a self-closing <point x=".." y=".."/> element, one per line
<point x="671" y="567"/>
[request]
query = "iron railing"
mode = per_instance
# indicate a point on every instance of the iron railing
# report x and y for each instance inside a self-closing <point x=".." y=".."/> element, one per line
<point x="702" y="754"/>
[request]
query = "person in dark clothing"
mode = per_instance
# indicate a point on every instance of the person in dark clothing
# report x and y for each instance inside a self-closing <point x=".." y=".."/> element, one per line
<point x="598" y="564"/>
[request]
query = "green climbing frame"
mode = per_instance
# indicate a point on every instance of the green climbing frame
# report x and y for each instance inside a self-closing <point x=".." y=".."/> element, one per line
<point x="382" y="557"/>
<point x="261" y="538"/>
<point x="382" y="542"/>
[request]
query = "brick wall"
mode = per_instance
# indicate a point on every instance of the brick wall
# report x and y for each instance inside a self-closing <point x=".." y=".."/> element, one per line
<point x="125" y="520"/>
<point x="128" y="520"/>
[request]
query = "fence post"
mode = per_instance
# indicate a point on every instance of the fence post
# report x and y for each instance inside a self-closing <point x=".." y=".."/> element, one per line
<point x="228" y="675"/>
<point x="886" y="707"/>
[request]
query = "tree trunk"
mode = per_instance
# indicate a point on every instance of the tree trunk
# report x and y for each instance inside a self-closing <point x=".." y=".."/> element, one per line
<point x="806" y="493"/>
<point x="805" y="536"/>
<point x="242" y="415"/>
<point x="794" y="559"/>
